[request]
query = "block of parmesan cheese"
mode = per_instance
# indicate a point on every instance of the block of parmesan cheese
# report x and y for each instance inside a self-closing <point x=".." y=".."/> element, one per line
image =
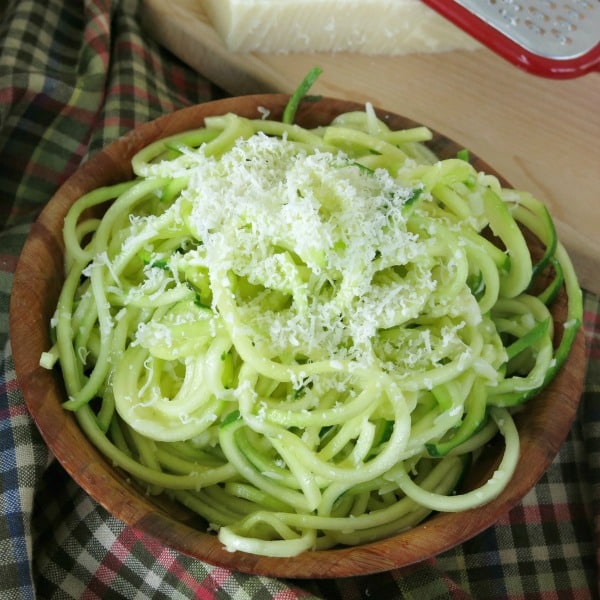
<point x="389" y="27"/>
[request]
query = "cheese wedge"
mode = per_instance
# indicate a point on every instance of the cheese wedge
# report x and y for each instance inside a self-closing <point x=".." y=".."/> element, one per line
<point x="388" y="27"/>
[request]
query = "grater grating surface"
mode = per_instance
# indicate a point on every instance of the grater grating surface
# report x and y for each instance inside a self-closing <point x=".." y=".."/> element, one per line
<point x="548" y="28"/>
<point x="554" y="38"/>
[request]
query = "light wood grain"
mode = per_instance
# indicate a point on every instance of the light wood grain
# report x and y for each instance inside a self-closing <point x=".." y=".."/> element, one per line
<point x="543" y="424"/>
<point x="542" y="135"/>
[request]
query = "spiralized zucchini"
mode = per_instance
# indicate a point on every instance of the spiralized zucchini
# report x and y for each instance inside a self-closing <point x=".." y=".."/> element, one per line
<point x="306" y="336"/>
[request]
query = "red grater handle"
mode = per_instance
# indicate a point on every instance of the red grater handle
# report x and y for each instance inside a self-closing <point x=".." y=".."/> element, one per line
<point x="513" y="52"/>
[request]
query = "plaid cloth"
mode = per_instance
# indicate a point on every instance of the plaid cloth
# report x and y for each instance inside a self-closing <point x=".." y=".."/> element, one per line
<point x="73" y="77"/>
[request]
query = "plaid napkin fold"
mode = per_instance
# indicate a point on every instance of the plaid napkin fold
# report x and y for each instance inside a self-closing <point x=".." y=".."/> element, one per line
<point x="73" y="77"/>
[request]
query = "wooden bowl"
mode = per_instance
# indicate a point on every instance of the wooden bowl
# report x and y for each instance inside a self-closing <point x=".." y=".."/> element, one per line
<point x="543" y="424"/>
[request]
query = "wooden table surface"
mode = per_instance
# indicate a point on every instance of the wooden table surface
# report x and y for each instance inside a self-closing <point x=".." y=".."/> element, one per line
<point x="543" y="135"/>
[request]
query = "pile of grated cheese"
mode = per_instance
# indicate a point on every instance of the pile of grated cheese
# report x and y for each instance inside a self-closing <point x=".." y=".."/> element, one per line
<point x="319" y="230"/>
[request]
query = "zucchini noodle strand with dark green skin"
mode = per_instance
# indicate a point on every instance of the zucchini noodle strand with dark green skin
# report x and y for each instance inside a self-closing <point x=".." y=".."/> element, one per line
<point x="307" y="336"/>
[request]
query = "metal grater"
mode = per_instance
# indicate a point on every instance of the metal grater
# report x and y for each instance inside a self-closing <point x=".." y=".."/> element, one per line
<point x="556" y="38"/>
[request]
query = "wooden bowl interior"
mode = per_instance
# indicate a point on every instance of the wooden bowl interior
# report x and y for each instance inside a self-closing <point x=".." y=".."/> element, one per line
<point x="543" y="424"/>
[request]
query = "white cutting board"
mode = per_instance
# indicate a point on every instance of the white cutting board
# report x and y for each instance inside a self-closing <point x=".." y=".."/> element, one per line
<point x="542" y="135"/>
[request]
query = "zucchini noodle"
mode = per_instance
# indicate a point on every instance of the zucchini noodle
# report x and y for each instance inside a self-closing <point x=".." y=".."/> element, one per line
<point x="306" y="336"/>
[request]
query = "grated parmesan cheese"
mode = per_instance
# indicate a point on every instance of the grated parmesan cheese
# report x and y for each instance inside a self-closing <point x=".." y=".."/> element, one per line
<point x="320" y="230"/>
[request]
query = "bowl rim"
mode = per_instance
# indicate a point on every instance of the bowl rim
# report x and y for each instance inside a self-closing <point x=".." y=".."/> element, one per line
<point x="35" y="285"/>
